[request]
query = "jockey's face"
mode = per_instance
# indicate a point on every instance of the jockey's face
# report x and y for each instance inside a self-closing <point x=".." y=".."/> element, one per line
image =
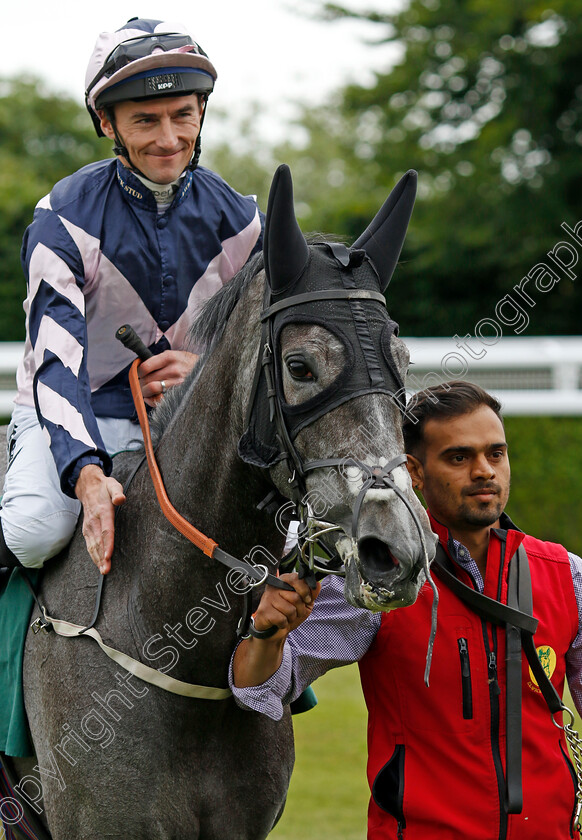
<point x="159" y="134"/>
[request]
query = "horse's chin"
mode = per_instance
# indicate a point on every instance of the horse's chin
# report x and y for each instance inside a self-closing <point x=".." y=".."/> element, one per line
<point x="386" y="592"/>
<point x="377" y="598"/>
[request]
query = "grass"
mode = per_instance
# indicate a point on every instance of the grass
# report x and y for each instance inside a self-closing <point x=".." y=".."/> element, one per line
<point x="328" y="797"/>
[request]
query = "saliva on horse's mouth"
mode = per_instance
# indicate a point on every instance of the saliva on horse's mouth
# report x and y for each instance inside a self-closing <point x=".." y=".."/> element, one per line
<point x="369" y="552"/>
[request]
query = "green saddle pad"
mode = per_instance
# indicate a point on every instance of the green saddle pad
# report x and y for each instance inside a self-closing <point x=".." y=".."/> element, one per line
<point x="16" y="604"/>
<point x="305" y="702"/>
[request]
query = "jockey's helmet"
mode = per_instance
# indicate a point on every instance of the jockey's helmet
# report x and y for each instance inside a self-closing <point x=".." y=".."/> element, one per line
<point x="145" y="59"/>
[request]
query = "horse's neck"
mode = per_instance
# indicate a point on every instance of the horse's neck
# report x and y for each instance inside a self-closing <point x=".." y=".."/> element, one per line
<point x="218" y="494"/>
<point x="206" y="478"/>
<point x="212" y="488"/>
<point x="171" y="584"/>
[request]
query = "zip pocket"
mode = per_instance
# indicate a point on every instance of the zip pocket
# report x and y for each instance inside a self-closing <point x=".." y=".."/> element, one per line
<point x="388" y="787"/>
<point x="466" y="679"/>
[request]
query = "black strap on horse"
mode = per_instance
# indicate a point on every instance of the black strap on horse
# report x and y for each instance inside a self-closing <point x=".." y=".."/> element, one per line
<point x="520" y="627"/>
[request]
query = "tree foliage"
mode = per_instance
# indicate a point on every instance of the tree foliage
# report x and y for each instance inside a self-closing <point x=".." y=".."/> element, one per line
<point x="43" y="137"/>
<point x="486" y="103"/>
<point x="546" y="481"/>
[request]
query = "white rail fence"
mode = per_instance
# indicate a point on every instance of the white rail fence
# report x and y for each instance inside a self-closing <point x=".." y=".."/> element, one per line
<point x="531" y="376"/>
<point x="10" y="355"/>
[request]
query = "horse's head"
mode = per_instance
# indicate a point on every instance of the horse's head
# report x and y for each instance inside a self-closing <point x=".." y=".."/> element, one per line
<point x="326" y="410"/>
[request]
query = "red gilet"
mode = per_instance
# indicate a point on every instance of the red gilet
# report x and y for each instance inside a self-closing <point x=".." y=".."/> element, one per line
<point x="437" y="755"/>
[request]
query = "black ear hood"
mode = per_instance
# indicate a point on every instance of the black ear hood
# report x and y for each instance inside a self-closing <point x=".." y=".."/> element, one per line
<point x="286" y="251"/>
<point x="337" y="288"/>
<point x="384" y="237"/>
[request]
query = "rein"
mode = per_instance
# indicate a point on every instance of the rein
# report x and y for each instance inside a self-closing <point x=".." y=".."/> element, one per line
<point x="257" y="574"/>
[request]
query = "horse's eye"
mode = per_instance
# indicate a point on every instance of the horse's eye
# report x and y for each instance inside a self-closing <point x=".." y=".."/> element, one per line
<point x="298" y="368"/>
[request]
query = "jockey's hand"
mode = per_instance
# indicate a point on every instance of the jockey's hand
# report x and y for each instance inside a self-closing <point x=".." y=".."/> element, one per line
<point x="99" y="496"/>
<point x="283" y="609"/>
<point x="163" y="371"/>
<point x="255" y="660"/>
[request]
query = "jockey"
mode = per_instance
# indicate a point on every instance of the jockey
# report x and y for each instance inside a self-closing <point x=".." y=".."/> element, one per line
<point x="143" y="238"/>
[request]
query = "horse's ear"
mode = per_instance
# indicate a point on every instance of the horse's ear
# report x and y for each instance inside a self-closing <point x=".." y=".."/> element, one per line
<point x="384" y="237"/>
<point x="284" y="247"/>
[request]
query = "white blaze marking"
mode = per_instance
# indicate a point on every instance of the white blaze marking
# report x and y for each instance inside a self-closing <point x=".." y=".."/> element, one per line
<point x="399" y="476"/>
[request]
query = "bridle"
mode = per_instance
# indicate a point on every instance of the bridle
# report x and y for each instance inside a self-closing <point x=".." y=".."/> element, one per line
<point x="287" y="451"/>
<point x="310" y="530"/>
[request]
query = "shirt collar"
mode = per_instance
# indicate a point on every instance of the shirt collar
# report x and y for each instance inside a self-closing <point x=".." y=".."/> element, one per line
<point x="461" y="554"/>
<point x="135" y="189"/>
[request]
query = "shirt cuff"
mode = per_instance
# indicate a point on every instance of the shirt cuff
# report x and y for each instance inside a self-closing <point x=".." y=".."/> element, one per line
<point x="266" y="698"/>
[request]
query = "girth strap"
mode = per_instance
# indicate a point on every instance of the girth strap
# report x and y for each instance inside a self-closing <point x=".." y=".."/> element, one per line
<point x="134" y="666"/>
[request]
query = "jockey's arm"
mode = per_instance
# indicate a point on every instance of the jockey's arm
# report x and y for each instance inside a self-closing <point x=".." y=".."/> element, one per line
<point x="256" y="660"/>
<point x="99" y="495"/>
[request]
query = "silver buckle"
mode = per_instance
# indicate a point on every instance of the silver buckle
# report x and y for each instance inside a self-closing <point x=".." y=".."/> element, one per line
<point x="39" y="624"/>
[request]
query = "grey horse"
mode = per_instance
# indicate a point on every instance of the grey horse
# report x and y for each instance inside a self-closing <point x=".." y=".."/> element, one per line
<point x="117" y="757"/>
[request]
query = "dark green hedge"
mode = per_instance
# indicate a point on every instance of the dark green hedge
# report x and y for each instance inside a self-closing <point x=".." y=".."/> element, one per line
<point x="546" y="477"/>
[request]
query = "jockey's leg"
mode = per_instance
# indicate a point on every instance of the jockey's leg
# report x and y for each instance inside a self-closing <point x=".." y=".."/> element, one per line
<point x="8" y="560"/>
<point x="37" y="519"/>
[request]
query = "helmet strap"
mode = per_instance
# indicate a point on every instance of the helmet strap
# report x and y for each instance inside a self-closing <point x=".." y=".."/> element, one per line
<point x="198" y="146"/>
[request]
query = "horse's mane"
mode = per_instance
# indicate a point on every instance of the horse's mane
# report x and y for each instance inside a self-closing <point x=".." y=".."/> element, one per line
<point x="206" y="330"/>
<point x="212" y="319"/>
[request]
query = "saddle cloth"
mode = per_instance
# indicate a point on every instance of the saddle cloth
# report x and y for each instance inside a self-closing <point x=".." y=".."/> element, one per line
<point x="16" y="604"/>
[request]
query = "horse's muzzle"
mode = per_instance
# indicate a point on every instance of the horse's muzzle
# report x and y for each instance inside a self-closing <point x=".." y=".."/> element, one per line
<point x="376" y="579"/>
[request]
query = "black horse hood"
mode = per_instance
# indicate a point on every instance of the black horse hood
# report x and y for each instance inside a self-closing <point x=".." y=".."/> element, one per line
<point x="334" y="287"/>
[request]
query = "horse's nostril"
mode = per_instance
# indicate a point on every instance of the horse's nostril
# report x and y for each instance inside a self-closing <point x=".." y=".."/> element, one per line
<point x="375" y="555"/>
